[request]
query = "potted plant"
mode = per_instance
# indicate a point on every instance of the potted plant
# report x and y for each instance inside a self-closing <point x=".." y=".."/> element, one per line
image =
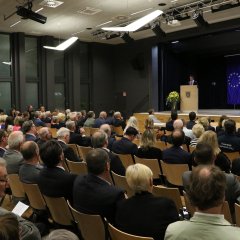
<point x="172" y="100"/>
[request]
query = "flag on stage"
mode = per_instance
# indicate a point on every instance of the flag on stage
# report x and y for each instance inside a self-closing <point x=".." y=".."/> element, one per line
<point x="233" y="80"/>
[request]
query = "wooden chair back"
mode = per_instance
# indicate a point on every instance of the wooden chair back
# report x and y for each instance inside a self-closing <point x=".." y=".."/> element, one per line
<point x="226" y="212"/>
<point x="91" y="226"/>
<point x="237" y="214"/>
<point x="16" y="186"/>
<point x="53" y="132"/>
<point x="190" y="208"/>
<point x="153" y="164"/>
<point x="75" y="149"/>
<point x="191" y="149"/>
<point x="126" y="159"/>
<point x="34" y="196"/>
<point x="137" y="141"/>
<point x="232" y="155"/>
<point x="93" y="130"/>
<point x="116" y="234"/>
<point x="171" y="193"/>
<point x="87" y="131"/>
<point x="118" y="130"/>
<point x="59" y="210"/>
<point x="77" y="167"/>
<point x="83" y="151"/>
<point x="161" y="145"/>
<point x="121" y="182"/>
<point x="174" y="172"/>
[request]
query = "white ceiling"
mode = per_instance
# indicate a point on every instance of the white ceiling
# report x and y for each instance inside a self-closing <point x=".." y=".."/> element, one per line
<point x="64" y="21"/>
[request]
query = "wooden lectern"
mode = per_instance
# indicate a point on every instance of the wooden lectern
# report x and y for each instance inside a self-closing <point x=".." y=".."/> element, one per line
<point x="189" y="98"/>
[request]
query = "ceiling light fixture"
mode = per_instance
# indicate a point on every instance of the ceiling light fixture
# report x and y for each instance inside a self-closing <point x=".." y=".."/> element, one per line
<point x="15" y="24"/>
<point x="136" y="24"/>
<point x="7" y="63"/>
<point x="144" y="10"/>
<point x="63" y="46"/>
<point x="103" y="23"/>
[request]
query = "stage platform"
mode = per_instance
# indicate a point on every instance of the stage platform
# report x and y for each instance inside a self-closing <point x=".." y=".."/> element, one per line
<point x="214" y="115"/>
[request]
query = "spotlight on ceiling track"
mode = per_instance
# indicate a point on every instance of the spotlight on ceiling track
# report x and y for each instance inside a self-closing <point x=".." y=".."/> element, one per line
<point x="158" y="31"/>
<point x="126" y="38"/>
<point x="198" y="19"/>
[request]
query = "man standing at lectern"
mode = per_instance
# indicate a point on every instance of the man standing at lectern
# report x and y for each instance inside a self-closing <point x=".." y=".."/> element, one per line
<point x="192" y="81"/>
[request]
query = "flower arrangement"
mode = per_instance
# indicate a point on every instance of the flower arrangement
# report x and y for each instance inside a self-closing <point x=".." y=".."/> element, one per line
<point x="172" y="99"/>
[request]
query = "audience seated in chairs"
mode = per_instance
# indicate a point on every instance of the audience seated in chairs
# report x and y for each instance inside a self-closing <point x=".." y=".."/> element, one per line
<point x="29" y="130"/>
<point x="111" y="138"/>
<point x="176" y="154"/>
<point x="206" y="123"/>
<point x="30" y="169"/>
<point x="144" y="214"/>
<point x="54" y="181"/>
<point x="44" y="135"/>
<point x="118" y="120"/>
<point x="13" y="155"/>
<point x="204" y="155"/>
<point x="100" y="140"/>
<point x="197" y="130"/>
<point x="62" y="234"/>
<point x="100" y="120"/>
<point x="229" y="141"/>
<point x="219" y="127"/>
<point x="207" y="194"/>
<point x="169" y="124"/>
<point x="132" y="122"/>
<point x="109" y="119"/>
<point x="93" y="193"/>
<point x="90" y="119"/>
<point x="125" y="144"/>
<point x="221" y="160"/>
<point x="63" y="136"/>
<point x="3" y="141"/>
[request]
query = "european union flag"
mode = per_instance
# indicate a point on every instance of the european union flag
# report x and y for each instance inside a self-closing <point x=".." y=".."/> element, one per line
<point x="233" y="80"/>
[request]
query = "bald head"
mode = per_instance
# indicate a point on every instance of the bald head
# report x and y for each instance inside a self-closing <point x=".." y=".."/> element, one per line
<point x="106" y="128"/>
<point x="44" y="134"/>
<point x="15" y="140"/>
<point x="30" y="151"/>
<point x="99" y="139"/>
<point x="178" y="124"/>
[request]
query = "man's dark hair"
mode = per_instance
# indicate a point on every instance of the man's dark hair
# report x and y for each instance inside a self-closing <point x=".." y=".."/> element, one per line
<point x="50" y="153"/>
<point x="9" y="227"/>
<point x="111" y="113"/>
<point x="131" y="131"/>
<point x="230" y="126"/>
<point x="27" y="126"/>
<point x="96" y="161"/>
<point x="192" y="116"/>
<point x="3" y="134"/>
<point x="203" y="154"/>
<point x="29" y="150"/>
<point x="178" y="137"/>
<point x="207" y="187"/>
<point x="150" y="111"/>
<point x="174" y="115"/>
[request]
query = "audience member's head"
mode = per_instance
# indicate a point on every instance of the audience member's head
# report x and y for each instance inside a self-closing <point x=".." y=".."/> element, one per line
<point x="28" y="126"/>
<point x="198" y="130"/>
<point x="207" y="187"/>
<point x="62" y="234"/>
<point x="148" y="139"/>
<point x="71" y="125"/>
<point x="192" y="116"/>
<point x="132" y="122"/>
<point x="51" y="153"/>
<point x="97" y="161"/>
<point x="90" y="114"/>
<point x="117" y="115"/>
<point x="30" y="151"/>
<point x="106" y="128"/>
<point x="223" y="117"/>
<point x="103" y="115"/>
<point x="9" y="229"/>
<point x="178" y="137"/>
<point x="99" y="139"/>
<point x="178" y="124"/>
<point x="131" y="132"/>
<point x="210" y="138"/>
<point x="230" y="126"/>
<point x="111" y="113"/>
<point x="3" y="138"/>
<point x="204" y="121"/>
<point x="44" y="133"/>
<point x="174" y="115"/>
<point x="203" y="154"/>
<point x="151" y="111"/>
<point x="3" y="179"/>
<point x="15" y="140"/>
<point x="139" y="178"/>
<point x="63" y="134"/>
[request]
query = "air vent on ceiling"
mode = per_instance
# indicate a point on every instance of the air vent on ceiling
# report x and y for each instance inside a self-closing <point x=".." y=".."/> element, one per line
<point x="89" y="11"/>
<point x="51" y="3"/>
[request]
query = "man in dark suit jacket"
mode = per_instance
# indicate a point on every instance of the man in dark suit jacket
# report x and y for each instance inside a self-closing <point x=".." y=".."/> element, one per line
<point x="63" y="136"/>
<point x="144" y="214"/>
<point x="53" y="180"/>
<point x="100" y="120"/>
<point x="100" y="140"/>
<point x="93" y="193"/>
<point x="203" y="155"/>
<point x="76" y="138"/>
<point x="29" y="130"/>
<point x="191" y="122"/>
<point x="176" y="154"/>
<point x="169" y="124"/>
<point x="125" y="145"/>
<point x="3" y="142"/>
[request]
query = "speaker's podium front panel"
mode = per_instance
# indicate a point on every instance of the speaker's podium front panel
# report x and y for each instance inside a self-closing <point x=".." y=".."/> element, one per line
<point x="189" y="98"/>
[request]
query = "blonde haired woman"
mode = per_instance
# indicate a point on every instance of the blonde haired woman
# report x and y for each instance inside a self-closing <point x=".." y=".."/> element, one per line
<point x="221" y="160"/>
<point x="132" y="122"/>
